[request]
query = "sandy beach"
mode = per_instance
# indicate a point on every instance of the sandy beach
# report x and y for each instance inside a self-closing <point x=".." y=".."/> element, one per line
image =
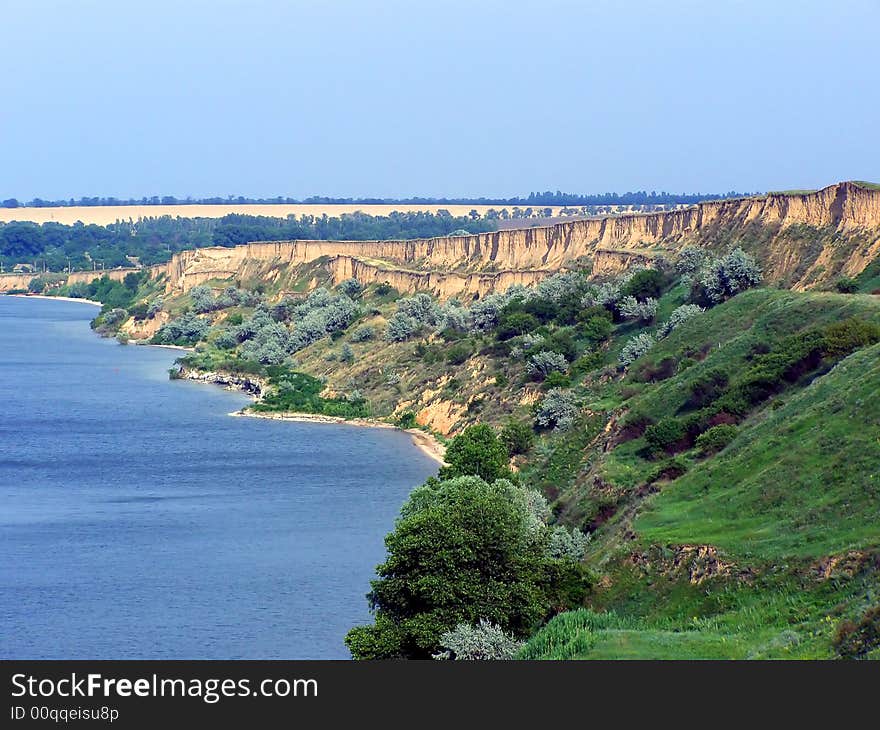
<point x="425" y="442"/>
<point x="57" y="299"/>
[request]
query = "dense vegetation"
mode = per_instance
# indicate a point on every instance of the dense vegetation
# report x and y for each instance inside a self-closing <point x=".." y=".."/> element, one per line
<point x="675" y="462"/>
<point x="153" y="240"/>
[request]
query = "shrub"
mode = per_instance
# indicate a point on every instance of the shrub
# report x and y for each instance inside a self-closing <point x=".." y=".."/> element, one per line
<point x="596" y="329"/>
<point x="645" y="284"/>
<point x="558" y="410"/>
<point x="561" y="341"/>
<point x="726" y="277"/>
<point x="363" y="333"/>
<point x="476" y="451"/>
<point x="677" y="317"/>
<point x="453" y="319"/>
<point x="651" y="372"/>
<point x="406" y="420"/>
<point x="346" y="354"/>
<point x="202" y="299"/>
<point x="849" y="335"/>
<point x="485" y="641"/>
<point x="690" y="261"/>
<point x="716" y="438"/>
<point x="556" y="380"/>
<point x="384" y="289"/>
<point x="631" y="308"/>
<point x="845" y="285"/>
<point x="854" y="640"/>
<point x="568" y="545"/>
<point x="225" y="340"/>
<point x="185" y="330"/>
<point x="401" y="327"/>
<point x="421" y="308"/>
<point x="515" y="323"/>
<point x="352" y="288"/>
<point x="635" y="348"/>
<point x="665" y="435"/>
<point x="541" y="364"/>
<point x="517" y="437"/>
<point x="706" y="388"/>
<point x="459" y="352"/>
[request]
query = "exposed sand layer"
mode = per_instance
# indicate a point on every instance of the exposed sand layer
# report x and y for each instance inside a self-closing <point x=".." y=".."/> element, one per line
<point x="106" y="214"/>
<point x="59" y="299"/>
<point x="427" y="443"/>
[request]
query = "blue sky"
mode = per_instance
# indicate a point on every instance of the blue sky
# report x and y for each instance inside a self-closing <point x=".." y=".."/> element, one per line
<point x="388" y="98"/>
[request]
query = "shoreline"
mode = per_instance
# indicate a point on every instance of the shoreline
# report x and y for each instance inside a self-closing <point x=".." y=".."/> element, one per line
<point x="423" y="441"/>
<point x="57" y="299"/>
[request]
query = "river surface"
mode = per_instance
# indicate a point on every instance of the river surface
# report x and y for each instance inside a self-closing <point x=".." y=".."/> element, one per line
<point x="139" y="520"/>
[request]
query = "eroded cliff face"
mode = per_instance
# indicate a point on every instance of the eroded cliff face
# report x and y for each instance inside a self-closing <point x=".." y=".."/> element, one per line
<point x="802" y="240"/>
<point x="837" y="232"/>
<point x="9" y="282"/>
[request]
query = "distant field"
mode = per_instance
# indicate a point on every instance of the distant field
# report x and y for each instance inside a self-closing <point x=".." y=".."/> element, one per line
<point x="104" y="215"/>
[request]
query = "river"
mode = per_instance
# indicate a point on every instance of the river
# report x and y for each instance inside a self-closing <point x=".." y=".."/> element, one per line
<point x="139" y="521"/>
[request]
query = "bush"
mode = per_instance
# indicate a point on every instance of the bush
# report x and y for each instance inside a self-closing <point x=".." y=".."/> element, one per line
<point x="514" y="324"/>
<point x="225" y="340"/>
<point x="631" y="308"/>
<point x="407" y="420"/>
<point x="185" y="330"/>
<point x="716" y="438"/>
<point x="854" y="640"/>
<point x="596" y="329"/>
<point x="363" y="333"/>
<point x="635" y="348"/>
<point x="476" y="451"/>
<point x="558" y="410"/>
<point x="677" y="317"/>
<point x="384" y="289"/>
<point x="421" y="308"/>
<point x="346" y="354"/>
<point x="459" y="353"/>
<point x="517" y="437"/>
<point x="541" y="364"/>
<point x="706" y="388"/>
<point x="352" y="288"/>
<point x="726" y="277"/>
<point x="849" y="335"/>
<point x="485" y="641"/>
<point x="556" y="379"/>
<point x="202" y="299"/>
<point x="665" y="435"/>
<point x="401" y="327"/>
<point x="568" y="545"/>
<point x="845" y="285"/>
<point x="645" y="284"/>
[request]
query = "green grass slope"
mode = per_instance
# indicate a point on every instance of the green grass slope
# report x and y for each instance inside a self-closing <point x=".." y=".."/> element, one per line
<point x="804" y="481"/>
<point x="766" y="549"/>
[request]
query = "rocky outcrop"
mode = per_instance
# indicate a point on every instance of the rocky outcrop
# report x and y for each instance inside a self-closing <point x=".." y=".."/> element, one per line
<point x="249" y="384"/>
<point x="476" y="264"/>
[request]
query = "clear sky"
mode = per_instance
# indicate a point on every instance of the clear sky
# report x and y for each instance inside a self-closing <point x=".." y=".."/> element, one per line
<point x="461" y="98"/>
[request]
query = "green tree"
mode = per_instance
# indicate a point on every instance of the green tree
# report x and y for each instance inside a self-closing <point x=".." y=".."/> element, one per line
<point x="517" y="437"/>
<point x="476" y="451"/>
<point x="463" y="550"/>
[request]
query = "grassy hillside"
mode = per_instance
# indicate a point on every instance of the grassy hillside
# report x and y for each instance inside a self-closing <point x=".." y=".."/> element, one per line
<point x="724" y="458"/>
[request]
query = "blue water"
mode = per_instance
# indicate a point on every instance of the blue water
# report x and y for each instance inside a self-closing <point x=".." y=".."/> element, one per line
<point x="139" y="520"/>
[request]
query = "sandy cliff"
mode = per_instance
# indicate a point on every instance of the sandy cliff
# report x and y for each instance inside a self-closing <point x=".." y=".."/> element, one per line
<point x="837" y="232"/>
<point x="802" y="240"/>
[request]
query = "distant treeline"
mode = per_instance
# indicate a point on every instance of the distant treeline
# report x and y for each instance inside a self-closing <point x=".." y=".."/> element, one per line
<point x="154" y="240"/>
<point x="547" y="197"/>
